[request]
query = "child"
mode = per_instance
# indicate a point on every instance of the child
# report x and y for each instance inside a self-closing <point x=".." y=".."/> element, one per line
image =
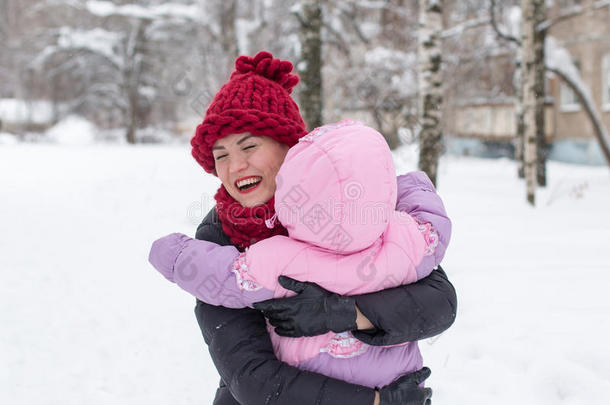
<point x="336" y="195"/>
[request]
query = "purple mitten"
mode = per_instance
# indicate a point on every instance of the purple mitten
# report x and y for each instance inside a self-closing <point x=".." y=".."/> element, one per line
<point x="204" y="269"/>
<point x="165" y="251"/>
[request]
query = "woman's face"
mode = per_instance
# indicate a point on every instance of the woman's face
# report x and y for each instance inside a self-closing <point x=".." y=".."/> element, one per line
<point x="247" y="166"/>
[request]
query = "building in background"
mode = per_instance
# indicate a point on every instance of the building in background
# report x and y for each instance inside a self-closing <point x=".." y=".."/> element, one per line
<point x="485" y="125"/>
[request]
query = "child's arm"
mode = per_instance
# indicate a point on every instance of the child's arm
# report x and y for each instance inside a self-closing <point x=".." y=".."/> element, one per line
<point x="206" y="270"/>
<point x="417" y="197"/>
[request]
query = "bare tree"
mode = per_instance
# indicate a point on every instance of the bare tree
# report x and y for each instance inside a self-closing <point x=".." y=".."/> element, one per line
<point x="228" y="35"/>
<point x="536" y="67"/>
<point x="373" y="68"/>
<point x="430" y="86"/>
<point x="114" y="64"/>
<point x="310" y="66"/>
<point x="519" y="139"/>
<point x="530" y="98"/>
<point x="542" y="28"/>
<point x="540" y="91"/>
<point x="133" y="76"/>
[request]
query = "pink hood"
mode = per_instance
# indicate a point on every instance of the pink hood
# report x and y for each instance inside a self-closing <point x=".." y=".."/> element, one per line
<point x="341" y="190"/>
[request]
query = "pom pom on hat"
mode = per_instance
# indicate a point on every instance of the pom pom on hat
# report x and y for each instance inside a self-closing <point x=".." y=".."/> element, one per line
<point x="265" y="65"/>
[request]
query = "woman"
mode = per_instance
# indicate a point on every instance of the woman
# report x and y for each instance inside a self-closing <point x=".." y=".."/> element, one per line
<point x="247" y="131"/>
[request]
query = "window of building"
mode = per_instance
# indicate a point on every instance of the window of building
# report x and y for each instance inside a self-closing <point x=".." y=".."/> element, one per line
<point x="569" y="101"/>
<point x="606" y="82"/>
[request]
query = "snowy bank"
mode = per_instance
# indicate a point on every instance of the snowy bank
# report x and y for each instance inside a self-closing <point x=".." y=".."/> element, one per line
<point x="72" y="130"/>
<point x="86" y="319"/>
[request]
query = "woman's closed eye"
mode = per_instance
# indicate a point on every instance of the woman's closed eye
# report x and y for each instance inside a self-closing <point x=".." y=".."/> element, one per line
<point x="219" y="157"/>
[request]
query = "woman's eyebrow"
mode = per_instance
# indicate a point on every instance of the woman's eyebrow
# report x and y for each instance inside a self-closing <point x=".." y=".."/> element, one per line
<point x="244" y="138"/>
<point x="238" y="142"/>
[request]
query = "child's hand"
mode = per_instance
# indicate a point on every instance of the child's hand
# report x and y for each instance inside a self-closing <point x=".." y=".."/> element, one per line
<point x="165" y="251"/>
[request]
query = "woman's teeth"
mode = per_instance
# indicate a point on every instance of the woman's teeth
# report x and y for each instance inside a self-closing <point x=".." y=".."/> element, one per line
<point x="248" y="183"/>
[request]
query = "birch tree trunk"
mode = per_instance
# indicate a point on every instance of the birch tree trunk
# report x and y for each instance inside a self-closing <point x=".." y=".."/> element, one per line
<point x="430" y="86"/>
<point x="310" y="66"/>
<point x="528" y="82"/>
<point x="540" y="90"/>
<point x="520" y="127"/>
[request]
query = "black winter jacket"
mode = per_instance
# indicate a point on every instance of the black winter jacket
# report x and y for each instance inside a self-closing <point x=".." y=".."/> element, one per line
<point x="251" y="374"/>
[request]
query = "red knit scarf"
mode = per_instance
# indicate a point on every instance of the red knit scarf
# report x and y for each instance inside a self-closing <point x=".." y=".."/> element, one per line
<point x="245" y="225"/>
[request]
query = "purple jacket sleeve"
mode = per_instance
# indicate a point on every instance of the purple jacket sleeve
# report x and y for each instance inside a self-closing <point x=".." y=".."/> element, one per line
<point x="203" y="269"/>
<point x="417" y="197"/>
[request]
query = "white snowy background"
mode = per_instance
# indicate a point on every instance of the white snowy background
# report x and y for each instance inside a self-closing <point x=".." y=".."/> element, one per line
<point x="86" y="319"/>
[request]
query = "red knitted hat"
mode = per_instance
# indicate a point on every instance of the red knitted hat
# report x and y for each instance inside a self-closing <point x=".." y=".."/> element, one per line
<point x="256" y="99"/>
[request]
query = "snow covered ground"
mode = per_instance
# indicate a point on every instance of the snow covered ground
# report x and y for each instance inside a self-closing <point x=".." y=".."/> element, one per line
<point x="86" y="319"/>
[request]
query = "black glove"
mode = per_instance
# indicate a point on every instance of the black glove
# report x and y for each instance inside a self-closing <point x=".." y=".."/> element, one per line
<point x="406" y="390"/>
<point x="313" y="311"/>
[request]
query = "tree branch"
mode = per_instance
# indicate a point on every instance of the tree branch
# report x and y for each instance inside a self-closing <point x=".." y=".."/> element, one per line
<point x="496" y="28"/>
<point x="339" y="42"/>
<point x="598" y="126"/>
<point x="571" y="12"/>
<point x="351" y="18"/>
<point x="299" y="17"/>
<point x="374" y="5"/>
<point x="466" y="25"/>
